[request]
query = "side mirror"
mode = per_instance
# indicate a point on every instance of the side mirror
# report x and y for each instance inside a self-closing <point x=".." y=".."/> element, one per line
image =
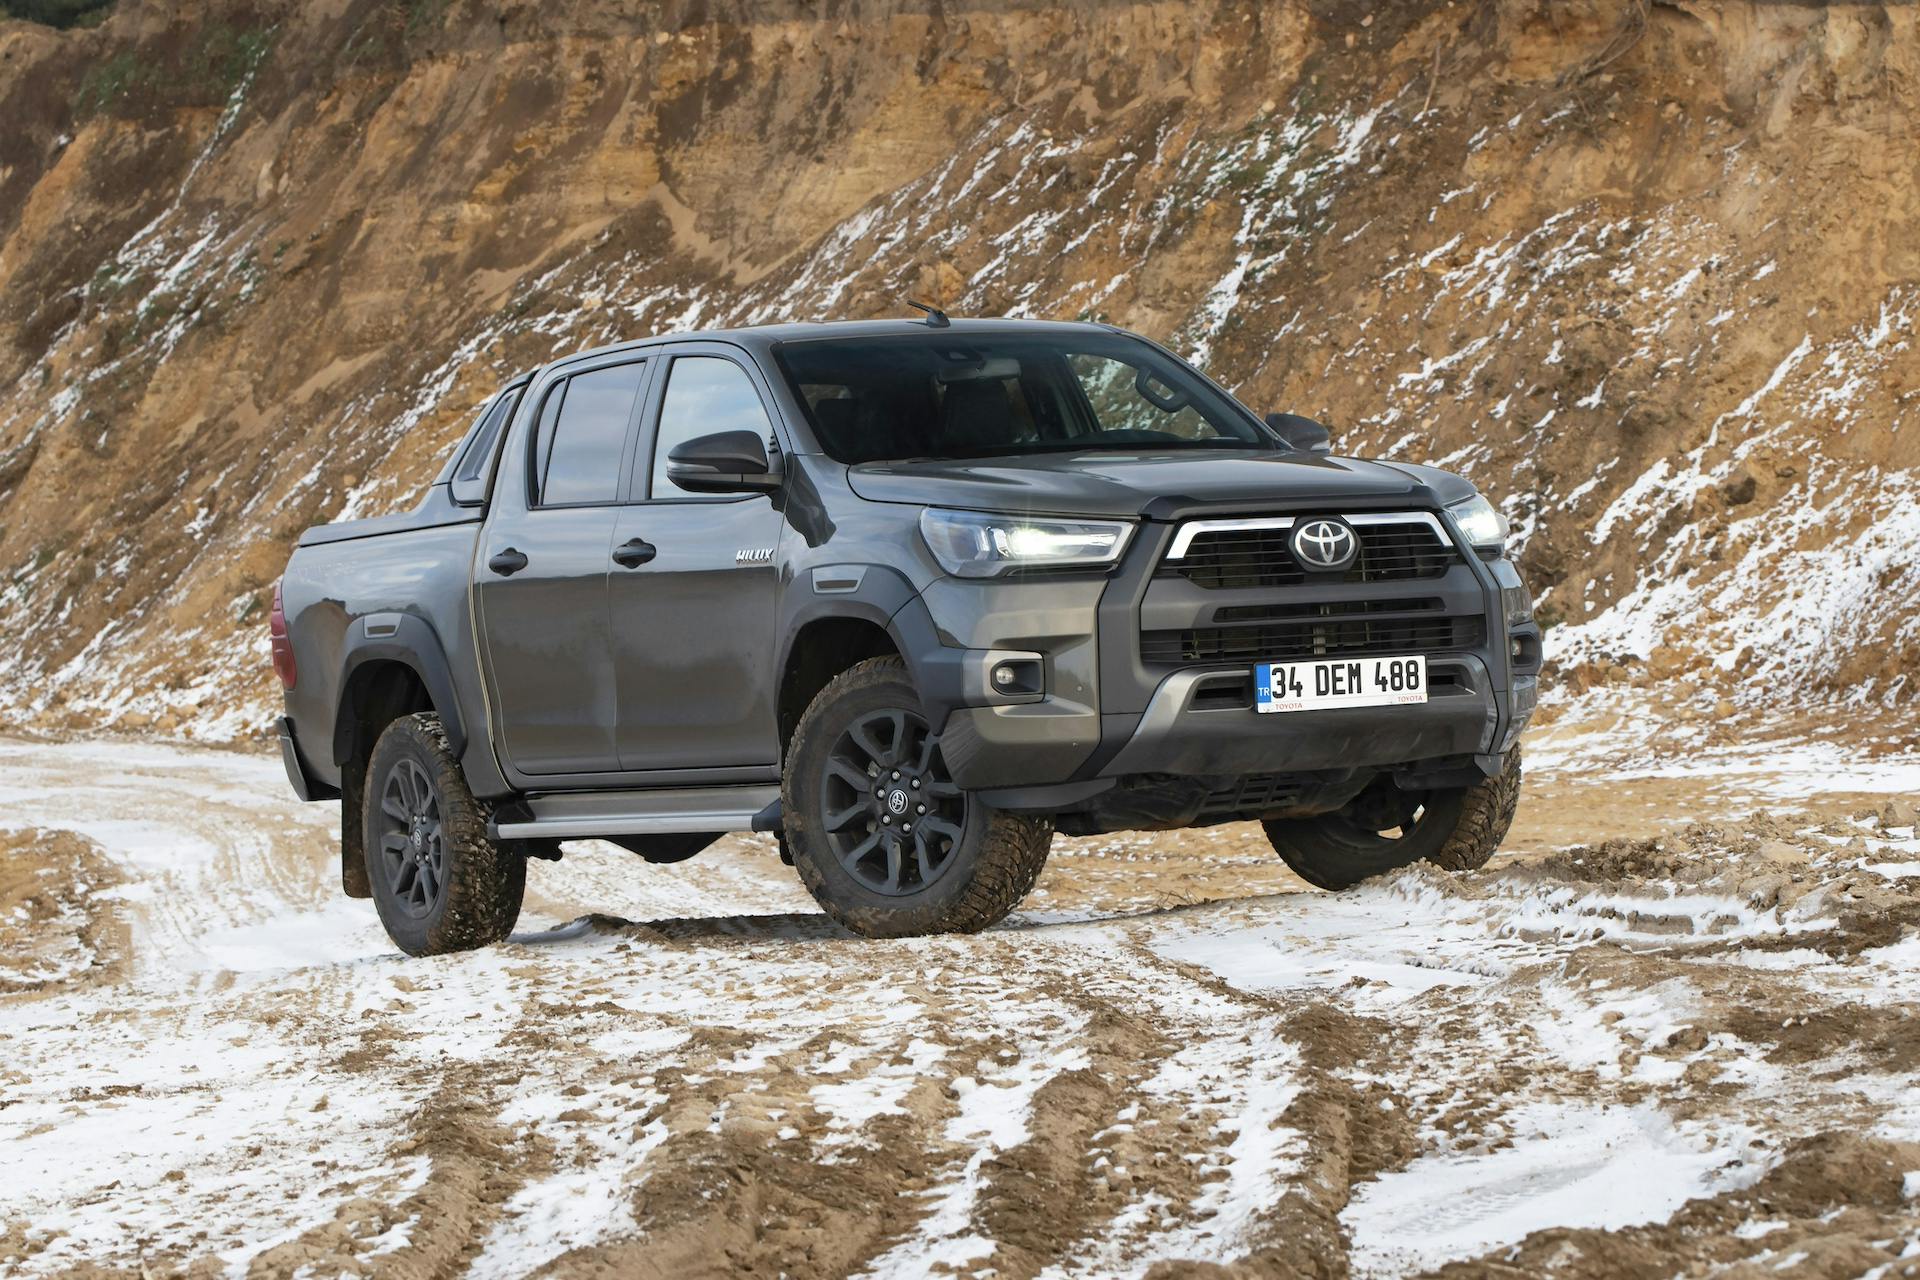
<point x="1303" y="434"/>
<point x="724" y="462"/>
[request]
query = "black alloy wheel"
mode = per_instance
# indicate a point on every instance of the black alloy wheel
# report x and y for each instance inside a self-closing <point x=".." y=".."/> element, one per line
<point x="892" y="816"/>
<point x="413" y="851"/>
<point x="880" y="832"/>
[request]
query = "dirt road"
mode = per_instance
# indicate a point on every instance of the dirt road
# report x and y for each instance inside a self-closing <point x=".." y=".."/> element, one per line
<point x="1649" y="1056"/>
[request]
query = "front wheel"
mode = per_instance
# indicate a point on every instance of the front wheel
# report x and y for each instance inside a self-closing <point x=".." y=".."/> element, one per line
<point x="438" y="882"/>
<point x="885" y="841"/>
<point x="1384" y="828"/>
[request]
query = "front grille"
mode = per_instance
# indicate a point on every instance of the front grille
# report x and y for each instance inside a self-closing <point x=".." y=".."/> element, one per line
<point x="1242" y="558"/>
<point x="1282" y="612"/>
<point x="1319" y="637"/>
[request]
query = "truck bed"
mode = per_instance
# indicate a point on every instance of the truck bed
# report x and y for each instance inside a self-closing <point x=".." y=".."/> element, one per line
<point x="360" y="581"/>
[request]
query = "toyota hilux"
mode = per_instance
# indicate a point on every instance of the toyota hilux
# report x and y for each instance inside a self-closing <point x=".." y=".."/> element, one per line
<point x="914" y="596"/>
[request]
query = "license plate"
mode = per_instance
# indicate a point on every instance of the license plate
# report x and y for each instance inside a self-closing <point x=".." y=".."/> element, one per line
<point x="1356" y="682"/>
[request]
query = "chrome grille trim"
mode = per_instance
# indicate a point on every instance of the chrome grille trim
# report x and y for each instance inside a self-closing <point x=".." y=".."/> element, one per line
<point x="1184" y="536"/>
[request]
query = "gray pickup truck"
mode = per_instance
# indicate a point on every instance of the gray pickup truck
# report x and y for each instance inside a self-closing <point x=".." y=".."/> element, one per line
<point x="914" y="595"/>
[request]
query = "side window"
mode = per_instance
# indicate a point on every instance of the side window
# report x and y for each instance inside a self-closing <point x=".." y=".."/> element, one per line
<point x="476" y="464"/>
<point x="1129" y="400"/>
<point x="582" y="436"/>
<point x="705" y="394"/>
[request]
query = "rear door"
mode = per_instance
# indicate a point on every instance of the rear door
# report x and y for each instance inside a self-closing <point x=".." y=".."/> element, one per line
<point x="542" y="570"/>
<point x="693" y="621"/>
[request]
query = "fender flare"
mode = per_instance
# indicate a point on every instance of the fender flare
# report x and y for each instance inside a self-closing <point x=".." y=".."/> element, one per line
<point x="409" y="640"/>
<point x="884" y="597"/>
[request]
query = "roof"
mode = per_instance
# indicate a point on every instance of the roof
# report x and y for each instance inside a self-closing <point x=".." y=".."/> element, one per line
<point x="760" y="338"/>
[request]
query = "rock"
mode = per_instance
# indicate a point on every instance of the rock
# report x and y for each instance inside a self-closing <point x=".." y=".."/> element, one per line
<point x="1691" y="1039"/>
<point x="1700" y="1072"/>
<point x="1780" y="853"/>
<point x="1739" y="488"/>
<point x="1764" y="891"/>
<point x="1897" y="813"/>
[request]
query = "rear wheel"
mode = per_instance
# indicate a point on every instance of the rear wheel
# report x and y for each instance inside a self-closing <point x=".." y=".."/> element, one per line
<point x="882" y="837"/>
<point x="1384" y="828"/>
<point x="438" y="882"/>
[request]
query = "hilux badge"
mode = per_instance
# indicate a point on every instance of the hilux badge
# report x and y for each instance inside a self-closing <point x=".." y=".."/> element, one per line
<point x="1324" y="544"/>
<point x="753" y="555"/>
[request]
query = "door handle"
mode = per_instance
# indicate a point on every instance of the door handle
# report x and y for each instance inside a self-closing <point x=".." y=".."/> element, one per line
<point x="507" y="563"/>
<point x="634" y="552"/>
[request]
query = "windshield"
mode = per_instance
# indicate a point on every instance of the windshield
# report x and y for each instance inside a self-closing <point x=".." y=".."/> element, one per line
<point x="966" y="395"/>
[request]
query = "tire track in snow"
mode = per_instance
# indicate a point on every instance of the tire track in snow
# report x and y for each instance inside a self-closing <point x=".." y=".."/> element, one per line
<point x="1286" y="1080"/>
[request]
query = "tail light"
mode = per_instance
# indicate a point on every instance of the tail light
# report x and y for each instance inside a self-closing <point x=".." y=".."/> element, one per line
<point x="282" y="646"/>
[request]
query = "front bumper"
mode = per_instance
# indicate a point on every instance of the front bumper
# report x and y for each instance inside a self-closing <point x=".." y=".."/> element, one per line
<point x="1181" y="734"/>
<point x="1151" y="718"/>
<point x="1033" y="759"/>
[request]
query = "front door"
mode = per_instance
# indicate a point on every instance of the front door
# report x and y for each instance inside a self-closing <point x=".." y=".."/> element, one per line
<point x="693" y="605"/>
<point x="542" y="573"/>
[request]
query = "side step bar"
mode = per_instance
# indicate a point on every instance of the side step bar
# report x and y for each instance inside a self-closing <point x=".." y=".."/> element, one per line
<point x="584" y="815"/>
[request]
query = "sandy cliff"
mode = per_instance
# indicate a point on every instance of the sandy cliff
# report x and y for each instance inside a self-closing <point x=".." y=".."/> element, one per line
<point x="1648" y="273"/>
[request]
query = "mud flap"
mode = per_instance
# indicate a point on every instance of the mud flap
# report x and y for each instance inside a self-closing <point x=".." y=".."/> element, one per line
<point x="353" y="830"/>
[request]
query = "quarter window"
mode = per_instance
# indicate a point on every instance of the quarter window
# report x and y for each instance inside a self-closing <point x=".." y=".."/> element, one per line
<point x="583" y="436"/>
<point x="705" y="395"/>
<point x="476" y="464"/>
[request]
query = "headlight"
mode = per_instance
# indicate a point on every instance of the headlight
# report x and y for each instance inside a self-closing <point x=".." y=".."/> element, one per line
<point x="975" y="544"/>
<point x="1485" y="528"/>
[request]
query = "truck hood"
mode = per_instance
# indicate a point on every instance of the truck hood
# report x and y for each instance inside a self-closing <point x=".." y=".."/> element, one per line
<point x="1162" y="486"/>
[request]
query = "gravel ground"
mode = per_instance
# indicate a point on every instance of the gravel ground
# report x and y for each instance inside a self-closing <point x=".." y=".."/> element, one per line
<point x="1671" y="1030"/>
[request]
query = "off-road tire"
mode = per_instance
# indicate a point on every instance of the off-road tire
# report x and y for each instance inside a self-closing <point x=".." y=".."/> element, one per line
<point x="1460" y="830"/>
<point x="994" y="863"/>
<point x="482" y="884"/>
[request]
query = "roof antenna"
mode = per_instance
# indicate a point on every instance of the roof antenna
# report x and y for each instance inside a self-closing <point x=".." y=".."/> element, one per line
<point x="936" y="318"/>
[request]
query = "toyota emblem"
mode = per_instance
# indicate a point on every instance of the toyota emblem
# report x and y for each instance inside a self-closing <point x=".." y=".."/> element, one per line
<point x="1324" y="544"/>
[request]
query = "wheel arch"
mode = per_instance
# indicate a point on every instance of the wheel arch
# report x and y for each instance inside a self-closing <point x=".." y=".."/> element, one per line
<point x="820" y="648"/>
<point x="394" y="665"/>
<point x="850" y="610"/>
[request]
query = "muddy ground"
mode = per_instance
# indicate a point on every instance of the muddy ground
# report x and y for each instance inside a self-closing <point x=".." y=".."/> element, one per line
<point x="1673" y="1029"/>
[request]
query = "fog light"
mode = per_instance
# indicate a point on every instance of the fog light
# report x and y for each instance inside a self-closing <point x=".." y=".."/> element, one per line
<point x="1017" y="677"/>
